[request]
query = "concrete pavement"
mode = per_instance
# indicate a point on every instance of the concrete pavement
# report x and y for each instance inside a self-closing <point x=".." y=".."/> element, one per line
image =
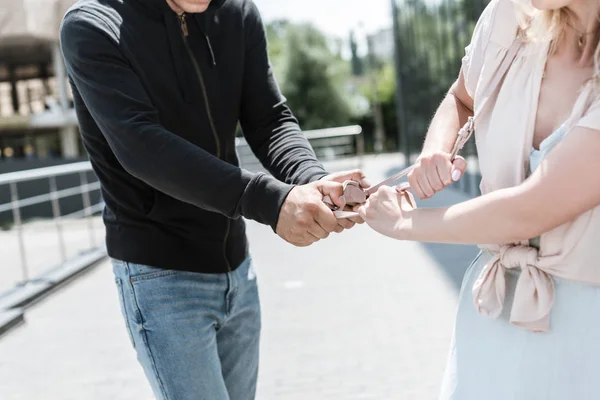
<point x="42" y="247"/>
<point x="358" y="316"/>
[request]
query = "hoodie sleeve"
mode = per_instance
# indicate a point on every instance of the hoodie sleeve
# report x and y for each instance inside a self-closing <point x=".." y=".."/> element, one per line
<point x="119" y="105"/>
<point x="269" y="126"/>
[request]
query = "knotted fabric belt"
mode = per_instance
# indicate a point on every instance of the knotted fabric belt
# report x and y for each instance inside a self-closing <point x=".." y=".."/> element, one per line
<point x="534" y="293"/>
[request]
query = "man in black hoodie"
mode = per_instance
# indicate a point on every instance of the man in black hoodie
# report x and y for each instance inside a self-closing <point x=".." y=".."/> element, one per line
<point x="159" y="88"/>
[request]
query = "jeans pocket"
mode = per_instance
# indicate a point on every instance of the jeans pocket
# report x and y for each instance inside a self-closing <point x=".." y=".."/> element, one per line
<point x="123" y="304"/>
<point x="139" y="272"/>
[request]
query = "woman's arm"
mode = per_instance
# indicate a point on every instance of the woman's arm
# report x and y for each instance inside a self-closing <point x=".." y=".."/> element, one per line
<point x="433" y="169"/>
<point x="566" y="184"/>
<point x="450" y="116"/>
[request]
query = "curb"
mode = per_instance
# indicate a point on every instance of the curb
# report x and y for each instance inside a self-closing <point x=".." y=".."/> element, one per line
<point x="10" y="319"/>
<point x="14" y="301"/>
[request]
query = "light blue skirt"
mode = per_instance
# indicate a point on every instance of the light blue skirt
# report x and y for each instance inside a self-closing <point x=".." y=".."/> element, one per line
<point x="490" y="359"/>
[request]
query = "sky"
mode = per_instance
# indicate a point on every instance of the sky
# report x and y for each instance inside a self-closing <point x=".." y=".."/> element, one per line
<point x="334" y="17"/>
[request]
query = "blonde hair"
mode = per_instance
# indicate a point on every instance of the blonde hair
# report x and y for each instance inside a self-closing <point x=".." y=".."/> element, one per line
<point x="538" y="25"/>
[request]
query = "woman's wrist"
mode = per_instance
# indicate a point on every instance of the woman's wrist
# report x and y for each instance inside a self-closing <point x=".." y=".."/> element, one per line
<point x="403" y="226"/>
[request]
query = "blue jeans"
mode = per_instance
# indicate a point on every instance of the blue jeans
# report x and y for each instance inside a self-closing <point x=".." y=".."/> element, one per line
<point x="196" y="335"/>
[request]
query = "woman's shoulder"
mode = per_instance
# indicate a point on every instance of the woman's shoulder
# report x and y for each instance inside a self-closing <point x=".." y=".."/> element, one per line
<point x="494" y="33"/>
<point x="499" y="22"/>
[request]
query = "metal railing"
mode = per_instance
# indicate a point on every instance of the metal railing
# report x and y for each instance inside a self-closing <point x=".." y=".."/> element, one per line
<point x="53" y="196"/>
<point x="329" y="145"/>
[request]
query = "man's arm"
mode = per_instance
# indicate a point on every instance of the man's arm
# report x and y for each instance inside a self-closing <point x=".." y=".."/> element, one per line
<point x="117" y="101"/>
<point x="269" y="126"/>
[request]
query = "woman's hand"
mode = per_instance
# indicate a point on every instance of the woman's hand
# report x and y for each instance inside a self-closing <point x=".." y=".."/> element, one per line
<point x="388" y="211"/>
<point x="433" y="172"/>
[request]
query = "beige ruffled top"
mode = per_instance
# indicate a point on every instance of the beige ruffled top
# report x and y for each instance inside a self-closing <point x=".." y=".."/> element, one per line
<point x="504" y="139"/>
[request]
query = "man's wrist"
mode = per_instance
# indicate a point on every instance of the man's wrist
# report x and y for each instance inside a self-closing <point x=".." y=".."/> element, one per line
<point x="263" y="199"/>
<point x="317" y="176"/>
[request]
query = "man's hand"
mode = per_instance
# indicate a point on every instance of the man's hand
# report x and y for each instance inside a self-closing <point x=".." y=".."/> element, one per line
<point x="341" y="177"/>
<point x="304" y="219"/>
<point x="433" y="172"/>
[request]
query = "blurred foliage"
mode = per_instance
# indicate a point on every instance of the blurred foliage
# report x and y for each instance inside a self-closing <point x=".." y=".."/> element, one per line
<point x="431" y="44"/>
<point x="385" y="81"/>
<point x="312" y="74"/>
<point x="323" y="89"/>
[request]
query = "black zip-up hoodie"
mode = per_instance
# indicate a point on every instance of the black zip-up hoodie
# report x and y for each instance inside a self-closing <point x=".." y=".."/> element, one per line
<point x="158" y="97"/>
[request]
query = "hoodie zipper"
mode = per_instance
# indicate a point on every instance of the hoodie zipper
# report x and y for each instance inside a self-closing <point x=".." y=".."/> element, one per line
<point x="185" y="34"/>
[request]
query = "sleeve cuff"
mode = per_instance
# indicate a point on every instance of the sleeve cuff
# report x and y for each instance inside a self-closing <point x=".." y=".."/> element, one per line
<point x="311" y="174"/>
<point x="263" y="198"/>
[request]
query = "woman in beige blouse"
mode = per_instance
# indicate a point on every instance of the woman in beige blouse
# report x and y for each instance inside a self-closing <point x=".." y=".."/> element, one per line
<point x="528" y="322"/>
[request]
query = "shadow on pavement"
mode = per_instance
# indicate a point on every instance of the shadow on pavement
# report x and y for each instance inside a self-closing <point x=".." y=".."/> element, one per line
<point x="453" y="260"/>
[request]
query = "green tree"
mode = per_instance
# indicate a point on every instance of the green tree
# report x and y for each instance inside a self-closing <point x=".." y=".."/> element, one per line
<point x="431" y="42"/>
<point x="311" y="73"/>
<point x="276" y="38"/>
<point x="386" y="91"/>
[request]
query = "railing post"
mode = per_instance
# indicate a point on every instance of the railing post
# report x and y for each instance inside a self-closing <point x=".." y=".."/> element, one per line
<point x="16" y="211"/>
<point x="16" y="204"/>
<point x="56" y="216"/>
<point x="87" y="204"/>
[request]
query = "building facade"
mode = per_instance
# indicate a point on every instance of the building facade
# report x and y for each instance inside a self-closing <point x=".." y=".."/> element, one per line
<point x="37" y="119"/>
